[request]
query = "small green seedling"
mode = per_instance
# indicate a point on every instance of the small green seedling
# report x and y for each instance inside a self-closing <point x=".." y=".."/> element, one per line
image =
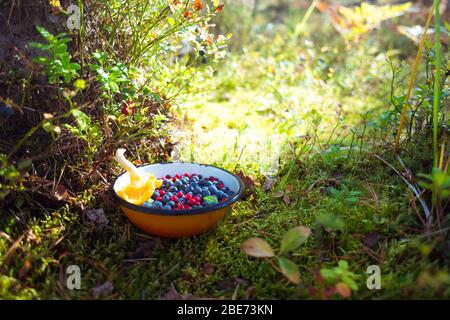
<point x="58" y="63"/>
<point x="259" y="248"/>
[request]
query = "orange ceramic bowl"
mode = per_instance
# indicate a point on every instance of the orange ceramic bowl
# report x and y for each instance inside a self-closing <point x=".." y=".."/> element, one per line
<point x="179" y="223"/>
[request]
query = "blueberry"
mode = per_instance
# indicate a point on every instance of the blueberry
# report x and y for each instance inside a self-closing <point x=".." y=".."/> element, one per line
<point x="194" y="179"/>
<point x="206" y="193"/>
<point x="208" y="183"/>
<point x="166" y="198"/>
<point x="6" y="110"/>
<point x="173" y="189"/>
<point x="204" y="60"/>
<point x="171" y="203"/>
<point x="225" y="189"/>
<point x="198" y="190"/>
<point x="230" y="193"/>
<point x="178" y="183"/>
<point x="193" y="184"/>
<point x="200" y="176"/>
<point x="169" y="183"/>
<point x="201" y="52"/>
<point x="148" y="204"/>
<point x="213" y="190"/>
<point x="155" y="194"/>
<point x="185" y="180"/>
<point x="167" y="207"/>
<point x="221" y="195"/>
<point x="157" y="204"/>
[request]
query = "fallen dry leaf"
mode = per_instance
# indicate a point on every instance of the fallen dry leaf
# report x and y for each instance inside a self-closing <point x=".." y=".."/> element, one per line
<point x="286" y="199"/>
<point x="343" y="290"/>
<point x="256" y="247"/>
<point x="145" y="249"/>
<point x="61" y="192"/>
<point x="103" y="290"/>
<point x="25" y="268"/>
<point x="371" y="239"/>
<point x="97" y="216"/>
<point x="289" y="188"/>
<point x="268" y="183"/>
<point x="208" y="268"/>
<point x="278" y="194"/>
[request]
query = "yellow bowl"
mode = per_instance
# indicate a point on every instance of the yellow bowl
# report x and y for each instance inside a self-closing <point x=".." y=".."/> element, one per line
<point x="180" y="223"/>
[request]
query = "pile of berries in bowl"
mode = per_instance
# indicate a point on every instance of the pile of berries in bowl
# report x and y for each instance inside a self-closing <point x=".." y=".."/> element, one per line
<point x="192" y="199"/>
<point x="189" y="191"/>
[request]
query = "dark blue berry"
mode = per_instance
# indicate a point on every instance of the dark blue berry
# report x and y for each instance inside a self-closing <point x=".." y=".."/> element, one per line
<point x="173" y="189"/>
<point x="178" y="183"/>
<point x="198" y="190"/>
<point x="193" y="184"/>
<point x="166" y="198"/>
<point x="6" y="110"/>
<point x="171" y="203"/>
<point x="155" y="194"/>
<point x="167" y="207"/>
<point x="213" y="190"/>
<point x="206" y="193"/>
<point x="185" y="180"/>
<point x="221" y="195"/>
<point x="157" y="204"/>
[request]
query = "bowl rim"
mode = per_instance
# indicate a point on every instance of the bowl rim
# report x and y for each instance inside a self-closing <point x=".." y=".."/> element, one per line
<point x="164" y="212"/>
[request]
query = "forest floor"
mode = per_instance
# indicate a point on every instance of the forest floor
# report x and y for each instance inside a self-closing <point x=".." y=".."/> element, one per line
<point x="310" y="125"/>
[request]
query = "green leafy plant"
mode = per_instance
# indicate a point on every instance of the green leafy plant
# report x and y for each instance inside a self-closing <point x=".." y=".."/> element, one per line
<point x="58" y="63"/>
<point x="259" y="248"/>
<point x="113" y="76"/>
<point x="346" y="197"/>
<point x="341" y="277"/>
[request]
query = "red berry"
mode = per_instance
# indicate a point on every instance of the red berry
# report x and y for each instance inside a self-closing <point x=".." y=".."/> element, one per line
<point x="196" y="199"/>
<point x="180" y="194"/>
<point x="162" y="192"/>
<point x="174" y="199"/>
<point x="126" y="110"/>
<point x="187" y="175"/>
<point x="211" y="178"/>
<point x="158" y="199"/>
<point x="220" y="186"/>
<point x="168" y="176"/>
<point x="186" y="207"/>
<point x="191" y="201"/>
<point x="188" y="196"/>
<point x="174" y="179"/>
